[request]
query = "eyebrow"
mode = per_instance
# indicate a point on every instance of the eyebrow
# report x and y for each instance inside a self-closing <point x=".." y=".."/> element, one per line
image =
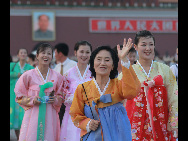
<point x="102" y="57"/>
<point x="145" y="42"/>
<point x="84" y="50"/>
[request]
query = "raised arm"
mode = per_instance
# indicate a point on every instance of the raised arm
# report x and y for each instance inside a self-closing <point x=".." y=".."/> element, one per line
<point x="129" y="84"/>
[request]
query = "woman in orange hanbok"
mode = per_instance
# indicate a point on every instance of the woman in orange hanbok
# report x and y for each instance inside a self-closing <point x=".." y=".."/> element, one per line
<point x="153" y="113"/>
<point x="97" y="107"/>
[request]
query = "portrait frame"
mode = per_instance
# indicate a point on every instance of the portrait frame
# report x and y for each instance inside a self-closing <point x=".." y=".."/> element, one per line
<point x="43" y="30"/>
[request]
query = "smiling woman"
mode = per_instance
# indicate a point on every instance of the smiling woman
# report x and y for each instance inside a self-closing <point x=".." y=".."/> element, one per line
<point x="153" y="113"/>
<point x="96" y="106"/>
<point x="27" y="91"/>
<point x="16" y="70"/>
<point x="104" y="61"/>
<point x="75" y="76"/>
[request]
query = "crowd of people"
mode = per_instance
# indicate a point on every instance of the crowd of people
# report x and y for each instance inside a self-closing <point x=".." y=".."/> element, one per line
<point x="121" y="93"/>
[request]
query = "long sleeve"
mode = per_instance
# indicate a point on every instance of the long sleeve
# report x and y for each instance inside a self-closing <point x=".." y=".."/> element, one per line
<point x="66" y="87"/>
<point x="129" y="84"/>
<point x="77" y="110"/>
<point x="21" y="91"/>
<point x="172" y="91"/>
<point x="60" y="93"/>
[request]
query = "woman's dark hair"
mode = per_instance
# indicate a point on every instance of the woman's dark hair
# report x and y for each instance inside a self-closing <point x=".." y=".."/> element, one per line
<point x="143" y="33"/>
<point x="115" y="48"/>
<point x="76" y="47"/>
<point x="43" y="47"/>
<point x="132" y="50"/>
<point x="114" y="56"/>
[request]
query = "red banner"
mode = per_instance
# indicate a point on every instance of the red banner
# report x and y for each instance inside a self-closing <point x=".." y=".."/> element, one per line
<point x="106" y="25"/>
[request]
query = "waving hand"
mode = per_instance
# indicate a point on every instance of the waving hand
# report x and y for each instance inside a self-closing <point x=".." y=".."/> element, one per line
<point x="122" y="53"/>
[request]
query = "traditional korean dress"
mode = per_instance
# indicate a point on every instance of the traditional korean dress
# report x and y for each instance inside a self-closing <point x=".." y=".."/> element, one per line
<point x="27" y="87"/>
<point x="69" y="132"/>
<point x="106" y="107"/>
<point x="154" y="111"/>
<point x="16" y="112"/>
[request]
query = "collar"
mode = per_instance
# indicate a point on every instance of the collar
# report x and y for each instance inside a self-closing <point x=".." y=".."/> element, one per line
<point x="85" y="72"/>
<point x="66" y="61"/>
<point x="21" y="68"/>
<point x="101" y="92"/>
<point x="44" y="80"/>
<point x="144" y="70"/>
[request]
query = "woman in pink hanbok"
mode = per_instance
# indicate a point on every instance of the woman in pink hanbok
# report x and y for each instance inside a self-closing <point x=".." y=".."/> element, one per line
<point x="75" y="76"/>
<point x="27" y="92"/>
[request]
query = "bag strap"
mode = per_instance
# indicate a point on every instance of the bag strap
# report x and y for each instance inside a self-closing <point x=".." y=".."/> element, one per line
<point x="81" y="139"/>
<point x="14" y="66"/>
<point x="88" y="101"/>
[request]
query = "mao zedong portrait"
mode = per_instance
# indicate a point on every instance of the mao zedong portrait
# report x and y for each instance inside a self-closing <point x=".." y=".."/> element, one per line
<point x="43" y="32"/>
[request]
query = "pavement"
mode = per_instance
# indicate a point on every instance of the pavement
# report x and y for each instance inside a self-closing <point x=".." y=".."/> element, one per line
<point x="12" y="135"/>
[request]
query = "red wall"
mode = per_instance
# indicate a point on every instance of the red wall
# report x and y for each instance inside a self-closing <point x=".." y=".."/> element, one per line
<point x="72" y="29"/>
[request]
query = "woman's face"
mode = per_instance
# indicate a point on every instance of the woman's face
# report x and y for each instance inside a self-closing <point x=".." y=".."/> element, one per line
<point x="44" y="57"/>
<point x="145" y="48"/>
<point x="103" y="63"/>
<point x="83" y="54"/>
<point x="132" y="57"/>
<point x="22" y="54"/>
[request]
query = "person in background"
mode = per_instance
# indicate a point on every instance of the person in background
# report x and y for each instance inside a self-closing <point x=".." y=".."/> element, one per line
<point x="75" y="76"/>
<point x="157" y="57"/>
<point x="32" y="60"/>
<point x="132" y="56"/>
<point x="96" y="108"/>
<point x="28" y="89"/>
<point x="174" y="67"/>
<point x="153" y="113"/>
<point x="16" y="70"/>
<point x="167" y="58"/>
<point x="61" y="55"/>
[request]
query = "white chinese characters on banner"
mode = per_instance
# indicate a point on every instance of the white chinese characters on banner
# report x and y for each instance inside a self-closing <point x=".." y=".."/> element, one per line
<point x="106" y="25"/>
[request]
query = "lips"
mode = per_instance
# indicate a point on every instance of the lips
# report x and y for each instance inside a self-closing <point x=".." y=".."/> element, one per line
<point x="102" y="67"/>
<point x="84" y="59"/>
<point x="147" y="53"/>
<point x="45" y="60"/>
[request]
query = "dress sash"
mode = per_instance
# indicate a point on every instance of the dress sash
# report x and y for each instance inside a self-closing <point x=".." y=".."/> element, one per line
<point x="139" y="114"/>
<point x="42" y="112"/>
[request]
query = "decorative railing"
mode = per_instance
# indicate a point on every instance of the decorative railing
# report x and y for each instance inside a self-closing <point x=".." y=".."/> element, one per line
<point x="99" y="3"/>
